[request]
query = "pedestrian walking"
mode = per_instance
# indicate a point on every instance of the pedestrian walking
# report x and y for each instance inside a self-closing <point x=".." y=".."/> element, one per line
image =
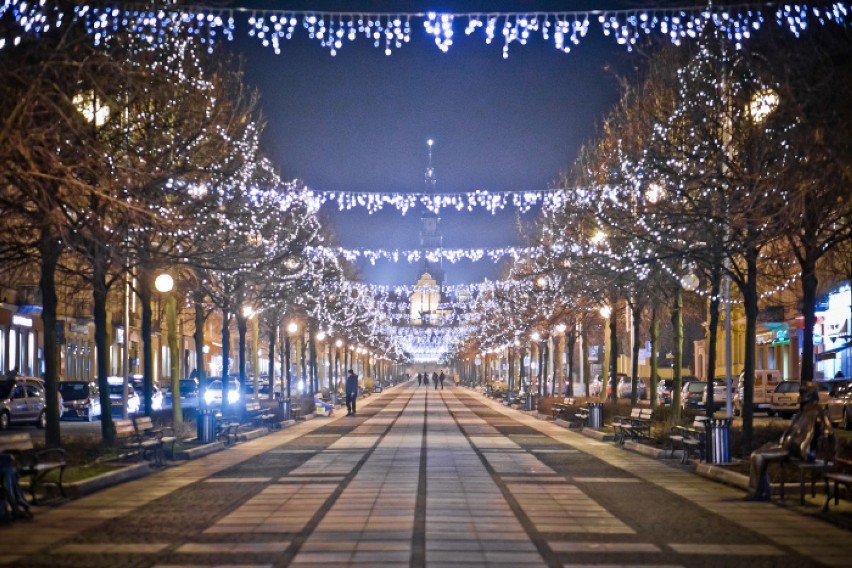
<point x="441" y="378"/>
<point x="435" y="379"/>
<point x="419" y="379"/>
<point x="351" y="392"/>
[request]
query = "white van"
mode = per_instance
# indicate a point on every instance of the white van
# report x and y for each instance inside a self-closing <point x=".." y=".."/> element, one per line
<point x="765" y="381"/>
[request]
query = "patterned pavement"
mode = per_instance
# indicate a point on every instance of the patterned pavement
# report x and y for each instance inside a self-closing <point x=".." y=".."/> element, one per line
<point x="423" y="478"/>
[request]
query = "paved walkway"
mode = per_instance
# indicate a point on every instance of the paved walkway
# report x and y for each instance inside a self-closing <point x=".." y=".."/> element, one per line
<point x="423" y="478"/>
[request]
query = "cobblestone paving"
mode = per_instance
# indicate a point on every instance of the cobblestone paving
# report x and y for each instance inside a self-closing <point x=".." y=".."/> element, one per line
<point x="422" y="478"/>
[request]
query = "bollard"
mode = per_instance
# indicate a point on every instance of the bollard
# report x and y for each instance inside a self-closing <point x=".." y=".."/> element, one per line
<point x="595" y="415"/>
<point x="718" y="440"/>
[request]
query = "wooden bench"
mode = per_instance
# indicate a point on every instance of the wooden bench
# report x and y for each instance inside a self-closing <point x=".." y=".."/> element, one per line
<point x="226" y="429"/>
<point x="841" y="475"/>
<point x="691" y="439"/>
<point x="566" y="410"/>
<point x="35" y="464"/>
<point x="128" y="440"/>
<point x="638" y="427"/>
<point x="166" y="435"/>
<point x="260" y="416"/>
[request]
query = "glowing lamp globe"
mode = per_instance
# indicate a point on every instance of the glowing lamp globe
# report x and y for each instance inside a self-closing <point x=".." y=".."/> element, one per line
<point x="164" y="283"/>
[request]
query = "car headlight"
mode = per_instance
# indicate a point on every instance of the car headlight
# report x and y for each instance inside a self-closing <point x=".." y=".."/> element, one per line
<point x="208" y="397"/>
<point x="233" y="396"/>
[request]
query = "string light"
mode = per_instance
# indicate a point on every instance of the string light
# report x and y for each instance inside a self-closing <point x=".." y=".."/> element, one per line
<point x="390" y="31"/>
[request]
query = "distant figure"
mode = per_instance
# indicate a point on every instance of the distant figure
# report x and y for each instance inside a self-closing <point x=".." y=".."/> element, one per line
<point x="441" y="378"/>
<point x="809" y="428"/>
<point x="10" y="377"/>
<point x="435" y="379"/>
<point x="419" y="379"/>
<point x="351" y="392"/>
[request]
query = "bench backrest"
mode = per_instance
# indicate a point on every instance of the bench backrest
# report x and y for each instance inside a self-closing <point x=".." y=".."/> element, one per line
<point x="252" y="406"/>
<point x="143" y="423"/>
<point x="124" y="428"/>
<point x="699" y="423"/>
<point x="646" y="413"/>
<point x="568" y="401"/>
<point x="20" y="441"/>
<point x="636" y="413"/>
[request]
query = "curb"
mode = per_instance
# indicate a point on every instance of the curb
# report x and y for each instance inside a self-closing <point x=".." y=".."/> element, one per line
<point x="596" y="434"/>
<point x="251" y="434"/>
<point x="728" y="477"/>
<point x="87" y="486"/>
<point x="647" y="450"/>
<point x="200" y="451"/>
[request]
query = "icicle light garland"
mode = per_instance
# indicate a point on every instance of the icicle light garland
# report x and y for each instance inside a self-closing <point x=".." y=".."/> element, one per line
<point x="492" y="201"/>
<point x="389" y="31"/>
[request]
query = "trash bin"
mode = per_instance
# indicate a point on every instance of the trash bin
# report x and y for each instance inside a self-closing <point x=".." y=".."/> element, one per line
<point x="206" y="426"/>
<point x="595" y="415"/>
<point x="333" y="395"/>
<point x="284" y="407"/>
<point x="718" y="440"/>
<point x="532" y="403"/>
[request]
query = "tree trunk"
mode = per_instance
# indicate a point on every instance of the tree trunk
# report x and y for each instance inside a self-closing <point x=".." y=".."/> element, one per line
<point x="302" y="363"/>
<point x="522" y="372"/>
<point x="226" y="351"/>
<point x="613" y="348"/>
<point x="144" y="292"/>
<point x="809" y="293"/>
<point x="198" y="300"/>
<point x="677" y="362"/>
<point x="584" y="358"/>
<point x="712" y="333"/>
<point x="655" y="339"/>
<point x="751" y="311"/>
<point x="287" y="363"/>
<point x="99" y="298"/>
<point x="570" y="342"/>
<point x="272" y="337"/>
<point x="174" y="357"/>
<point x="51" y="248"/>
<point x="636" y="312"/>
<point x="242" y="329"/>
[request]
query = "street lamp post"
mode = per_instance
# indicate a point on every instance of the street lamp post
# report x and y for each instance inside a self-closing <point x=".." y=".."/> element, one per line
<point x="557" y="359"/>
<point x="165" y="284"/>
<point x="606" y="313"/>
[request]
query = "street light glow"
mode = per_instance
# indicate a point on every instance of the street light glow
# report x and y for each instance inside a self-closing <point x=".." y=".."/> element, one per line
<point x="164" y="283"/>
<point x="606" y="311"/>
<point x="561" y="327"/>
<point x="292" y="327"/>
<point x="321" y="336"/>
<point x="536" y="336"/>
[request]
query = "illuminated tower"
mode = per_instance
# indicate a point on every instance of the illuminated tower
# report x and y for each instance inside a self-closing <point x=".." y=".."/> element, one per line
<point x="431" y="240"/>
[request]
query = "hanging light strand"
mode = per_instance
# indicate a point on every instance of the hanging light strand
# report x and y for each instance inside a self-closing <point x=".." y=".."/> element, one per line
<point x="389" y="31"/>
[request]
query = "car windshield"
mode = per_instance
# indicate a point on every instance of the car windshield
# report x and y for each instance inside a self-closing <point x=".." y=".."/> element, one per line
<point x="74" y="391"/>
<point x="118" y="390"/>
<point x="188" y="386"/>
<point x="788" y="387"/>
<point x="695" y="386"/>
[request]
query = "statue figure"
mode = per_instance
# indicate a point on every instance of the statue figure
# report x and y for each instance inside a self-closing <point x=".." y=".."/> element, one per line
<point x="808" y="429"/>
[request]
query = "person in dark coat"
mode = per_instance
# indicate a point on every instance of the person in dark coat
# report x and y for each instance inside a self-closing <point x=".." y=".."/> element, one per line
<point x="435" y="379"/>
<point x="351" y="392"/>
<point x="441" y="378"/>
<point x="419" y="379"/>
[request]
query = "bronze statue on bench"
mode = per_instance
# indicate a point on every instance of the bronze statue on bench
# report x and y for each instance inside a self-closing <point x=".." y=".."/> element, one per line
<point x="806" y="432"/>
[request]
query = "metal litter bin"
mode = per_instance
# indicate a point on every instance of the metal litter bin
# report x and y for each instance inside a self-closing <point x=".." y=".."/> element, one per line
<point x="718" y="440"/>
<point x="284" y="407"/>
<point x="595" y="415"/>
<point x="532" y="402"/>
<point x="206" y="432"/>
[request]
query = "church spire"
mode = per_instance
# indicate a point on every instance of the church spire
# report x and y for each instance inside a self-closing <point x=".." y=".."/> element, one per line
<point x="430" y="236"/>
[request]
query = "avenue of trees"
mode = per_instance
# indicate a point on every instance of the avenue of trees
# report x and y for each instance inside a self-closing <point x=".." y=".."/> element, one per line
<point x="715" y="164"/>
<point x="127" y="159"/>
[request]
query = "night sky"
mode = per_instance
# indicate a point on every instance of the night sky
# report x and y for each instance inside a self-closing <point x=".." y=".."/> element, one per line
<point x="360" y="120"/>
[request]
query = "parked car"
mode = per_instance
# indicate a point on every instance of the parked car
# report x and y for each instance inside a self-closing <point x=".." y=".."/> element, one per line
<point x="664" y="390"/>
<point x="720" y="393"/>
<point x="157" y="396"/>
<point x="116" y="396"/>
<point x="839" y="403"/>
<point x="625" y="387"/>
<point x="80" y="399"/>
<point x="765" y="382"/>
<point x="22" y="402"/>
<point x="694" y="395"/>
<point x="213" y="392"/>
